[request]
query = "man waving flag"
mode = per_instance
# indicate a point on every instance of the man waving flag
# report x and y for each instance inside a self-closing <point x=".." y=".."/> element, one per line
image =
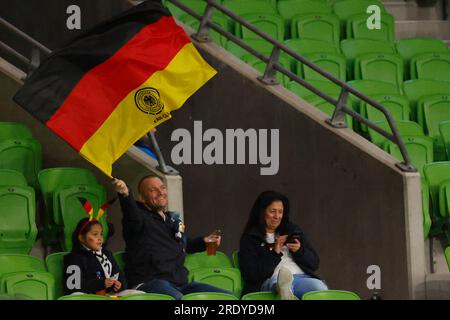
<point x="116" y="82"/>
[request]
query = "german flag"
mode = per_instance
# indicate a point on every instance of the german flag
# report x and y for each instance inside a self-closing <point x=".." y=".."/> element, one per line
<point x="116" y="82"/>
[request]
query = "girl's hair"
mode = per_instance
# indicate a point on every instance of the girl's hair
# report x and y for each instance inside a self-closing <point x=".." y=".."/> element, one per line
<point x="257" y="214"/>
<point x="75" y="241"/>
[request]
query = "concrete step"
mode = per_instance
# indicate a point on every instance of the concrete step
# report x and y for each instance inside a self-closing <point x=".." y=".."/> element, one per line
<point x="422" y="28"/>
<point x="409" y="10"/>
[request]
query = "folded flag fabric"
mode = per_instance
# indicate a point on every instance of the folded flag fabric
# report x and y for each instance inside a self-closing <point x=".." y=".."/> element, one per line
<point x="116" y="82"/>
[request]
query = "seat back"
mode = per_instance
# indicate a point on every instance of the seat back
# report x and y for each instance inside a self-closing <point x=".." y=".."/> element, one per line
<point x="224" y="278"/>
<point x="318" y="26"/>
<point x="436" y="173"/>
<point x="23" y="155"/>
<point x="433" y="66"/>
<point x="325" y="86"/>
<point x="271" y="24"/>
<point x="18" y="229"/>
<point x="404" y="127"/>
<point x="370" y="88"/>
<point x="147" y="296"/>
<point x="72" y="210"/>
<point x="12" y="178"/>
<point x="264" y="295"/>
<point x="426" y="207"/>
<point x="14" y="130"/>
<point x="11" y="263"/>
<point x="357" y="28"/>
<point x="436" y="108"/>
<point x="235" y="258"/>
<point x="384" y="67"/>
<point x="55" y="265"/>
<point x="85" y="297"/>
<point x="447" y="257"/>
<point x="202" y="260"/>
<point x="444" y="129"/>
<point x="36" y="285"/>
<point x="333" y="63"/>
<point x="240" y="7"/>
<point x="330" y="295"/>
<point x="261" y="46"/>
<point x="209" y="296"/>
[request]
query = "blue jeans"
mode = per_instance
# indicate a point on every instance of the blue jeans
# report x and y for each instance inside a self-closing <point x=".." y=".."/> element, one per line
<point x="301" y="284"/>
<point x="169" y="288"/>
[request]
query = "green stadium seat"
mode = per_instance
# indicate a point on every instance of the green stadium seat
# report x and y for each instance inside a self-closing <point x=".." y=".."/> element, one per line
<point x="263" y="295"/>
<point x="36" y="285"/>
<point x="307" y="47"/>
<point x="12" y="178"/>
<point x="72" y="211"/>
<point x="328" y="109"/>
<point x="271" y="24"/>
<point x="85" y="297"/>
<point x="426" y="208"/>
<point x="119" y="257"/>
<point x="12" y="263"/>
<point x="240" y="7"/>
<point x="433" y="66"/>
<point x="52" y="179"/>
<point x="333" y="63"/>
<point x="404" y="127"/>
<point x="408" y="48"/>
<point x="431" y="111"/>
<point x="444" y="198"/>
<point x="357" y="28"/>
<point x="23" y="155"/>
<point x="14" y="130"/>
<point x="202" y="260"/>
<point x="225" y="278"/>
<point x="262" y="46"/>
<point x="317" y="26"/>
<point x="218" y="19"/>
<point x="444" y="129"/>
<point x="447" y="257"/>
<point x="18" y="229"/>
<point x="352" y="48"/>
<point x="346" y="8"/>
<point x="436" y="173"/>
<point x="261" y="67"/>
<point x="384" y="67"/>
<point x="416" y="89"/>
<point x="147" y="296"/>
<point x="370" y="88"/>
<point x="330" y="294"/>
<point x="327" y="87"/>
<point x="420" y="150"/>
<point x="55" y="265"/>
<point x="235" y="258"/>
<point x="396" y="104"/>
<point x="209" y="296"/>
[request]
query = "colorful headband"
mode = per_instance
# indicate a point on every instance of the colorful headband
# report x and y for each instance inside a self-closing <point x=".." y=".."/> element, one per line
<point x="90" y="211"/>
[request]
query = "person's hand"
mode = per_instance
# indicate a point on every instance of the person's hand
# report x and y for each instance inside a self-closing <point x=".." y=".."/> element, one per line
<point x="120" y="187"/>
<point x="117" y="285"/>
<point x="279" y="243"/>
<point x="294" y="247"/>
<point x="213" y="237"/>
<point x="109" y="283"/>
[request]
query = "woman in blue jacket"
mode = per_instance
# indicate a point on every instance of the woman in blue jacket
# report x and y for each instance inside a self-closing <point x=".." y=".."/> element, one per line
<point x="275" y="254"/>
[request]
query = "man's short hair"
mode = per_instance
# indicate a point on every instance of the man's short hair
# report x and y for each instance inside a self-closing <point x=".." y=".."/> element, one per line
<point x="145" y="178"/>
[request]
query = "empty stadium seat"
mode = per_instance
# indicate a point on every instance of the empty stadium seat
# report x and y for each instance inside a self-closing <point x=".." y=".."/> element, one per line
<point x="14" y="130"/>
<point x="147" y="296"/>
<point x="352" y="48"/>
<point x="263" y="295"/>
<point x="271" y="24"/>
<point x="261" y="46"/>
<point x="72" y="211"/>
<point x="404" y="127"/>
<point x="318" y="26"/>
<point x="18" y="229"/>
<point x="333" y="63"/>
<point x="419" y="148"/>
<point x="202" y="260"/>
<point x="52" y="179"/>
<point x="327" y="87"/>
<point x="357" y="28"/>
<point x="444" y="130"/>
<point x="36" y="285"/>
<point x="433" y="66"/>
<point x="444" y="198"/>
<point x="407" y="48"/>
<point x="396" y="104"/>
<point x="307" y="47"/>
<point x="436" y="173"/>
<point x="346" y="8"/>
<point x="330" y="295"/>
<point x="240" y="7"/>
<point x="384" y="67"/>
<point x="55" y="265"/>
<point x="209" y="296"/>
<point x="416" y="89"/>
<point x="13" y="263"/>
<point x="85" y="297"/>
<point x="328" y="109"/>
<point x="23" y="155"/>
<point x="261" y="67"/>
<point x="225" y="278"/>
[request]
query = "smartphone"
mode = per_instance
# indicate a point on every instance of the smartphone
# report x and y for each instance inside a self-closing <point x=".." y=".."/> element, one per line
<point x="292" y="237"/>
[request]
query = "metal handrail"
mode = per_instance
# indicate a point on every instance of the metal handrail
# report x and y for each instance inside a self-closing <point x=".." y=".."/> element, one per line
<point x="33" y="63"/>
<point x="337" y="120"/>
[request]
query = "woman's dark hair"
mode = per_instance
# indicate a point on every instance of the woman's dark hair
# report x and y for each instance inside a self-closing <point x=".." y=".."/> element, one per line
<point x="75" y="242"/>
<point x="264" y="200"/>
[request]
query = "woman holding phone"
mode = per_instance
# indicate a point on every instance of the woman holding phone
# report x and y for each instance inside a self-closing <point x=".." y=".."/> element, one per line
<point x="274" y="254"/>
